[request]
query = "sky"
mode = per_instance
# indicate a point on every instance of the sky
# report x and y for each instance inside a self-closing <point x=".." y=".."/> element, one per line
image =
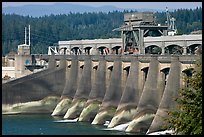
<point x="135" y="5"/>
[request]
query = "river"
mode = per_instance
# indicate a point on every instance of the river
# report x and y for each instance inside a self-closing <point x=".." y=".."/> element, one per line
<point x="44" y="124"/>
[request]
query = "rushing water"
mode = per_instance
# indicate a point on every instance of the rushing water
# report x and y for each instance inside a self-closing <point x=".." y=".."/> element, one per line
<point x="45" y="124"/>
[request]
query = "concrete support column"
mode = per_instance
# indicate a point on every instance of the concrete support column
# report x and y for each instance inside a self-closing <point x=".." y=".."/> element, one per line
<point x="82" y="92"/>
<point x="125" y="75"/>
<point x="141" y="41"/>
<point x="69" y="88"/>
<point x="163" y="48"/>
<point x="52" y="62"/>
<point x="112" y="95"/>
<point x="99" y="85"/>
<point x="140" y="80"/>
<point x="184" y="51"/>
<point x="71" y="83"/>
<point x="184" y="47"/>
<point x="97" y="93"/>
<point x="112" y="98"/>
<point x="149" y="100"/>
<point x="68" y="67"/>
<point x="84" y="87"/>
<point x="123" y="40"/>
<point x="144" y="73"/>
<point x="161" y="83"/>
<point x="109" y="70"/>
<point x="168" y="99"/>
<point x="163" y="51"/>
<point x="63" y="63"/>
<point x="70" y="49"/>
<point x="130" y="96"/>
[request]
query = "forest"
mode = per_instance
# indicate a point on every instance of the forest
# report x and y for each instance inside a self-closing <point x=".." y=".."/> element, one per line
<point x="48" y="30"/>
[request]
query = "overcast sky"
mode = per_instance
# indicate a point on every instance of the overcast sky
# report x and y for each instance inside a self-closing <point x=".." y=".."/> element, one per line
<point x="150" y="5"/>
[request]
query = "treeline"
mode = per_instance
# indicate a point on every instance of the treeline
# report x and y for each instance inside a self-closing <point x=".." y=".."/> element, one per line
<point x="48" y="30"/>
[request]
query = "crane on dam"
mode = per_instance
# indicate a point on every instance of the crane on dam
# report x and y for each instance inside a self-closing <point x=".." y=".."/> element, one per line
<point x="172" y="30"/>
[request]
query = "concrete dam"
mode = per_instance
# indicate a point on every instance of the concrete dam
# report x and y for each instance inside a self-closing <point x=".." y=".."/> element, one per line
<point x="133" y="89"/>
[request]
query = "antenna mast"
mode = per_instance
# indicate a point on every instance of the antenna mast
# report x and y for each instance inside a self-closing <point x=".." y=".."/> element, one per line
<point x="25" y="36"/>
<point x="171" y="24"/>
<point x="29" y="36"/>
<point x="168" y="18"/>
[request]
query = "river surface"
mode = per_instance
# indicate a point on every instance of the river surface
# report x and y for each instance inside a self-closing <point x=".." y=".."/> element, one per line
<point x="44" y="124"/>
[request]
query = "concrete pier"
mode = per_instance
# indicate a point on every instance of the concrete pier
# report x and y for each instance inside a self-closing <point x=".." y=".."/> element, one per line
<point x="52" y="62"/>
<point x="97" y="93"/>
<point x="83" y="90"/>
<point x="112" y="95"/>
<point x="168" y="99"/>
<point x="149" y="100"/>
<point x="130" y="97"/>
<point x="69" y="89"/>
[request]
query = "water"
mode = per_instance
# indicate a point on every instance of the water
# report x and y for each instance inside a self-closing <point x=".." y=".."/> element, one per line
<point x="44" y="124"/>
<point x="121" y="127"/>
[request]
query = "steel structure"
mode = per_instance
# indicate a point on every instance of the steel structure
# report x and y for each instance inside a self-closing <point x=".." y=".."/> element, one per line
<point x="171" y="24"/>
<point x="136" y="27"/>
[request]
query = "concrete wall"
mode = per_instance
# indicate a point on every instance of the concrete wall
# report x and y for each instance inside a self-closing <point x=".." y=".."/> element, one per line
<point x="49" y="82"/>
<point x="9" y="71"/>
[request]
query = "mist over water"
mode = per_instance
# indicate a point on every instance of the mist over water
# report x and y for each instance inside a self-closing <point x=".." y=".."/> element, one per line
<point x="44" y="124"/>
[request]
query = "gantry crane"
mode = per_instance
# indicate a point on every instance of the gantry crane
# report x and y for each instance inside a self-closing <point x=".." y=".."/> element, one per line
<point x="171" y="24"/>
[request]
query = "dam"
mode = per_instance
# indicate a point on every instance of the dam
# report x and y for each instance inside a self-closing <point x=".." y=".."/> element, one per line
<point x="118" y="88"/>
<point x="135" y="84"/>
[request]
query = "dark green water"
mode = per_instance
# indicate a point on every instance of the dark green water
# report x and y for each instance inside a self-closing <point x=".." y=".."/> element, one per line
<point x="47" y="125"/>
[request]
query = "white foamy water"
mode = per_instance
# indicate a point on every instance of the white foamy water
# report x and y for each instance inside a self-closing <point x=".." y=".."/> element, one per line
<point x="67" y="120"/>
<point x="120" y="127"/>
<point x="106" y="123"/>
<point x="165" y="132"/>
